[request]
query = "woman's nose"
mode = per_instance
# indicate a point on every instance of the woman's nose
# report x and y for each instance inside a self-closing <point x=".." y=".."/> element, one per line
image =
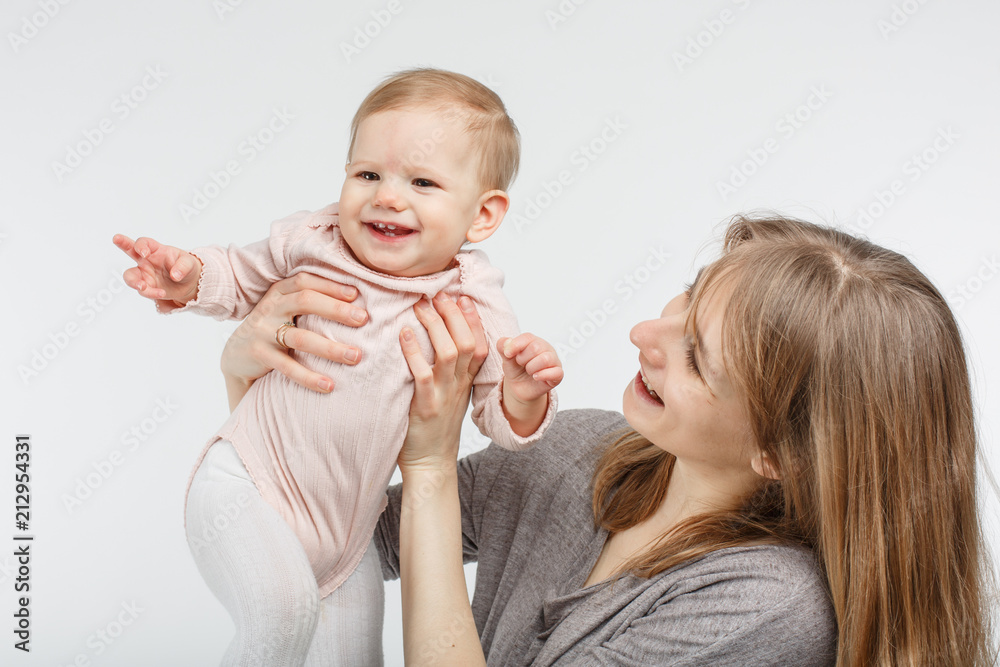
<point x="653" y="337"/>
<point x="643" y="336"/>
<point x="638" y="333"/>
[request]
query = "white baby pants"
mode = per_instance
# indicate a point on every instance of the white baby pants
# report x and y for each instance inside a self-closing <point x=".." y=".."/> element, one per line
<point x="256" y="566"/>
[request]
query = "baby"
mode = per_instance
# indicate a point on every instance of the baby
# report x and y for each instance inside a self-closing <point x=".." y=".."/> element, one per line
<point x="431" y="156"/>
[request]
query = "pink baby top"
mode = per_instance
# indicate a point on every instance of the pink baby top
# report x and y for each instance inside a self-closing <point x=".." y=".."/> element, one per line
<point x="324" y="460"/>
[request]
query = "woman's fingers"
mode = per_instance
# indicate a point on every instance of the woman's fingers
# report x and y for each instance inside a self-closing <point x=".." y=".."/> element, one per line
<point x="441" y="390"/>
<point x="302" y="340"/>
<point x="445" y="350"/>
<point x="468" y="309"/>
<point x="306" y="294"/>
<point x="251" y="352"/>
<point x="456" y="346"/>
<point x="309" y="281"/>
<point x="253" y="349"/>
<point x="456" y="334"/>
<point x="270" y="314"/>
<point x="460" y="333"/>
<point x="423" y="374"/>
<point x="312" y="302"/>
<point x="301" y="375"/>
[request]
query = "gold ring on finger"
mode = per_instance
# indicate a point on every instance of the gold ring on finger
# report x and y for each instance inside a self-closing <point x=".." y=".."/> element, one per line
<point x="279" y="335"/>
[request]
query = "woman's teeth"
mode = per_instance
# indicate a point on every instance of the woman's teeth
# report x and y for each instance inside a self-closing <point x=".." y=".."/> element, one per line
<point x="648" y="388"/>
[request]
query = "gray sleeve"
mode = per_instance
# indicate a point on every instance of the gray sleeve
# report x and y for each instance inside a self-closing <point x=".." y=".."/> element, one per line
<point x="490" y="490"/>
<point x="779" y="614"/>
<point x="476" y="473"/>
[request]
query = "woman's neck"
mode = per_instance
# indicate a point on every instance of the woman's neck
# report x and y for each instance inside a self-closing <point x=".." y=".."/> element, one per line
<point x="694" y="490"/>
<point x="691" y="491"/>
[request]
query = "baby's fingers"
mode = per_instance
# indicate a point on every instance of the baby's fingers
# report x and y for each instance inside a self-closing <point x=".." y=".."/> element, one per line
<point x="183" y="267"/>
<point x="126" y="245"/>
<point x="145" y="246"/>
<point x="138" y="281"/>
<point x="522" y="349"/>
<point x="552" y="375"/>
<point x="543" y="360"/>
<point x="134" y="279"/>
<point x="511" y="347"/>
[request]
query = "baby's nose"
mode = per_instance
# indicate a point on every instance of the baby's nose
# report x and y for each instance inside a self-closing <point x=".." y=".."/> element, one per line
<point x="386" y="196"/>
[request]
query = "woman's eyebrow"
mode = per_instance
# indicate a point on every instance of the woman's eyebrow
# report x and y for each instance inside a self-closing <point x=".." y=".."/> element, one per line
<point x="697" y="277"/>
<point x="702" y="351"/>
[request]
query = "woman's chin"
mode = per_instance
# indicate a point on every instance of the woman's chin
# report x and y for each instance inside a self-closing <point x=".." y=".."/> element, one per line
<point x="631" y="408"/>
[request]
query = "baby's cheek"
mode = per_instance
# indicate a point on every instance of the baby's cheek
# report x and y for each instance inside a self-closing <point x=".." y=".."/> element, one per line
<point x="348" y="201"/>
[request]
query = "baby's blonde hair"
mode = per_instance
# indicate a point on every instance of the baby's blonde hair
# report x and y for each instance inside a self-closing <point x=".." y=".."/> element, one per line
<point x="492" y="131"/>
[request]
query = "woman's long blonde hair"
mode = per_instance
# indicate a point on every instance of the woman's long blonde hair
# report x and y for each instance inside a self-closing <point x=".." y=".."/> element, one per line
<point x="855" y="381"/>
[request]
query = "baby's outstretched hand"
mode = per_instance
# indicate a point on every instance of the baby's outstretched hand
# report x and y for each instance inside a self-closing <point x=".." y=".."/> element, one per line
<point x="531" y="367"/>
<point x="162" y="272"/>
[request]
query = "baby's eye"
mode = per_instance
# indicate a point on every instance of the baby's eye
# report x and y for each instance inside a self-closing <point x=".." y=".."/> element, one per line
<point x="368" y="175"/>
<point x="423" y="183"/>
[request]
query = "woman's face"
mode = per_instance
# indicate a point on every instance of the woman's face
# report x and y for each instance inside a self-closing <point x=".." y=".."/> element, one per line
<point x="682" y="399"/>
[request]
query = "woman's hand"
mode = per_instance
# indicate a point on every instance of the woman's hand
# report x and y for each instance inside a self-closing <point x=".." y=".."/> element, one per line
<point x="253" y="349"/>
<point x="441" y="392"/>
<point x="438" y="626"/>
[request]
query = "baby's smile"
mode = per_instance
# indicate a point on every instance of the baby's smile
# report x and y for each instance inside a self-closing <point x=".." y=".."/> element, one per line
<point x="384" y="230"/>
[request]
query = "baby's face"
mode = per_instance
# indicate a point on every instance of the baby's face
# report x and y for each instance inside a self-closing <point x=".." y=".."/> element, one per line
<point x="411" y="192"/>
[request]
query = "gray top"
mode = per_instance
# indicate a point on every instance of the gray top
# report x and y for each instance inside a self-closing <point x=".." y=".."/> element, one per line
<point x="527" y="520"/>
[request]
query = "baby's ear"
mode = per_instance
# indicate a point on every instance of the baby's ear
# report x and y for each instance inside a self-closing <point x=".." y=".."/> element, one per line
<point x="493" y="207"/>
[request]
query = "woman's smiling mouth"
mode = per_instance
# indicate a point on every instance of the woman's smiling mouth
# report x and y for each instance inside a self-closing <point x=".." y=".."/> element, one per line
<point x="641" y="380"/>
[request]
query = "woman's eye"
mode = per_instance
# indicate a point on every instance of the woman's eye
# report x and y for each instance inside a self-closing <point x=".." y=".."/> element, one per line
<point x="692" y="361"/>
<point x="368" y="175"/>
<point x="423" y="183"/>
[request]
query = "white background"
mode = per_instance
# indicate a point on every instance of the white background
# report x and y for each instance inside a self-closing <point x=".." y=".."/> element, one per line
<point x="84" y="363"/>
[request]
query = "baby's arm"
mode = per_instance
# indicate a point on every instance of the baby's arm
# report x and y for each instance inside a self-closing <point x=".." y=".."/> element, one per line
<point x="531" y="368"/>
<point x="162" y="272"/>
<point x="509" y="406"/>
<point x="224" y="283"/>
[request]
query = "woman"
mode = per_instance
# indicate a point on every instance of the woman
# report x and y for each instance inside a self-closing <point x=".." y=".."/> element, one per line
<point x="794" y="481"/>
